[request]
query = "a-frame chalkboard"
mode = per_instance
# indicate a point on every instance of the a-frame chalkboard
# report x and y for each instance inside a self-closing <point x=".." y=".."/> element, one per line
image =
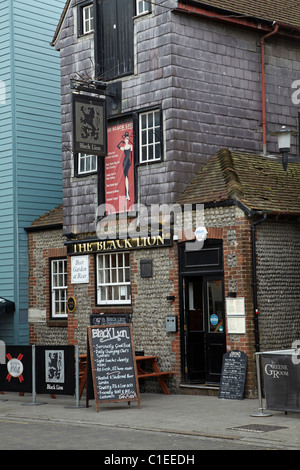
<point x="114" y="370"/>
<point x="233" y="375"/>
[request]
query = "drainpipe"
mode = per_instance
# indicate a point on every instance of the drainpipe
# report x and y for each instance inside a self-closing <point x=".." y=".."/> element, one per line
<point x="254" y="273"/>
<point x="263" y="86"/>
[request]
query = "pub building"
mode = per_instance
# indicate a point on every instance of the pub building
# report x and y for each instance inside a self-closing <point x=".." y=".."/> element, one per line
<point x="175" y="120"/>
<point x="187" y="304"/>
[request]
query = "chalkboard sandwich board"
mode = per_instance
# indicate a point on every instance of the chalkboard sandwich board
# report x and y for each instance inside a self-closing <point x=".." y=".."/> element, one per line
<point x="233" y="375"/>
<point x="113" y="364"/>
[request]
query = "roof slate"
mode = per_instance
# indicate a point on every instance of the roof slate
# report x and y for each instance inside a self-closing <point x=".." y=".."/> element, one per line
<point x="259" y="183"/>
<point x="282" y="11"/>
<point x="53" y="217"/>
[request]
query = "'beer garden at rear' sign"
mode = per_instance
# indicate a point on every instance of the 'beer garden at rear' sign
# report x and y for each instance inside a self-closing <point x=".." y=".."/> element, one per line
<point x="89" y="125"/>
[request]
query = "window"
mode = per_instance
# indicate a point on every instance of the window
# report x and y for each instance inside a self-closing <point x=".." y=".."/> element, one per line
<point x="142" y="6"/>
<point x="150" y="148"/>
<point x="86" y="163"/>
<point x="59" y="288"/>
<point x="113" y="279"/>
<point x="87" y="19"/>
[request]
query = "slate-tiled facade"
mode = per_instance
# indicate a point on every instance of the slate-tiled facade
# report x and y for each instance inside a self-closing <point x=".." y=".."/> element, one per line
<point x="206" y="77"/>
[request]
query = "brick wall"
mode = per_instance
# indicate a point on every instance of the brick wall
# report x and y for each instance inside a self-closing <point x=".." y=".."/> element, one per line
<point x="43" y="245"/>
<point x="232" y="226"/>
<point x="149" y="306"/>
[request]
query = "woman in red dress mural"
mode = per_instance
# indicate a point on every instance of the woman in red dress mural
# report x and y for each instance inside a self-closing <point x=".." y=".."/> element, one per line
<point x="127" y="161"/>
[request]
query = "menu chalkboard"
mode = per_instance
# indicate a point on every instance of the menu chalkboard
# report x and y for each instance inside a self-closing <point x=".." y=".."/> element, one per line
<point x="233" y="375"/>
<point x="108" y="319"/>
<point x="113" y="364"/>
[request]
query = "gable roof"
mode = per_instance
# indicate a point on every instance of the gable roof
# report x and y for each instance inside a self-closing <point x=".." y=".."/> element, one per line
<point x="60" y="23"/>
<point x="258" y="183"/>
<point x="285" y="12"/>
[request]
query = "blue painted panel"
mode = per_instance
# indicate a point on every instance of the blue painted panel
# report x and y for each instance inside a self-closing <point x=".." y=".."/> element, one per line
<point x="30" y="165"/>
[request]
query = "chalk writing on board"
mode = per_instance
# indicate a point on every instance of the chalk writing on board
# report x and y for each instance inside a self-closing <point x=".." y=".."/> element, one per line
<point x="233" y="375"/>
<point x="113" y="363"/>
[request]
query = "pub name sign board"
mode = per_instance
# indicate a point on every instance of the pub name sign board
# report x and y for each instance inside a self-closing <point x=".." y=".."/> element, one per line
<point x="89" y="125"/>
<point x="99" y="246"/>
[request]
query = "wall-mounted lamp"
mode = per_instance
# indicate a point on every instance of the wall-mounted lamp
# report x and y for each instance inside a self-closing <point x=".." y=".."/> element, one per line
<point x="171" y="298"/>
<point x="284" y="144"/>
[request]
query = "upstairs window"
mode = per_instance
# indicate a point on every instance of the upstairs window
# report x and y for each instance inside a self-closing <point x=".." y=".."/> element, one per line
<point x="150" y="136"/>
<point x="88" y="19"/>
<point x="142" y="6"/>
<point x="85" y="18"/>
<point x="86" y="163"/>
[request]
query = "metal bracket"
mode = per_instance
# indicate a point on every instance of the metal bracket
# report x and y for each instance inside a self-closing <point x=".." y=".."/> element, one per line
<point x="113" y="92"/>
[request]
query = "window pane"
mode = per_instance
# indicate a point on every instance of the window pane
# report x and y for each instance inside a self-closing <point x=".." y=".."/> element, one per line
<point x="157" y="119"/>
<point x="157" y="151"/>
<point x="150" y="136"/>
<point x="150" y="153"/>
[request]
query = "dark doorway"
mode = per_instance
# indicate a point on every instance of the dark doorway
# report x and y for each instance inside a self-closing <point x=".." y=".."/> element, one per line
<point x="204" y="328"/>
<point x="202" y="313"/>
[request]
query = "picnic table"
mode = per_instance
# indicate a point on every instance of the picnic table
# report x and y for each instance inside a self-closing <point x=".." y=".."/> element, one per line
<point x="143" y="363"/>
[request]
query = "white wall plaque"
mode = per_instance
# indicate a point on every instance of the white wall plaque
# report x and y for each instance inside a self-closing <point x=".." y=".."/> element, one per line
<point x="80" y="269"/>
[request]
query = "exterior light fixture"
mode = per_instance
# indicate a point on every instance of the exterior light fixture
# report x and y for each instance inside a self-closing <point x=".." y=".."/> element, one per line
<point x="284" y="144"/>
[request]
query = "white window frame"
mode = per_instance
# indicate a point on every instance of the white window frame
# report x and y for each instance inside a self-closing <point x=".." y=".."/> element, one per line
<point x="142" y="6"/>
<point x="87" y="19"/>
<point x="59" y="288"/>
<point x="150" y="145"/>
<point x="87" y="161"/>
<point x="113" y="278"/>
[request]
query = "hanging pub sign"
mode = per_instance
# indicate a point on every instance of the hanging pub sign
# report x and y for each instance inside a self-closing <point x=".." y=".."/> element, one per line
<point x="16" y="373"/>
<point x="89" y="125"/>
<point x="55" y="366"/>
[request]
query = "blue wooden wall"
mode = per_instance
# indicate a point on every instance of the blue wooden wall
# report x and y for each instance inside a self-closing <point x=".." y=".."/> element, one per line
<point x="30" y="143"/>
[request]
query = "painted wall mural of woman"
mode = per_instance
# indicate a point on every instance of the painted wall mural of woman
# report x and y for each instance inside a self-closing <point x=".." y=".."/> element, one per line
<point x="127" y="147"/>
<point x="119" y="168"/>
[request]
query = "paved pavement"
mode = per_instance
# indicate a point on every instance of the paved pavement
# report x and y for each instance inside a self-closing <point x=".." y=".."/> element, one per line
<point x="203" y="416"/>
